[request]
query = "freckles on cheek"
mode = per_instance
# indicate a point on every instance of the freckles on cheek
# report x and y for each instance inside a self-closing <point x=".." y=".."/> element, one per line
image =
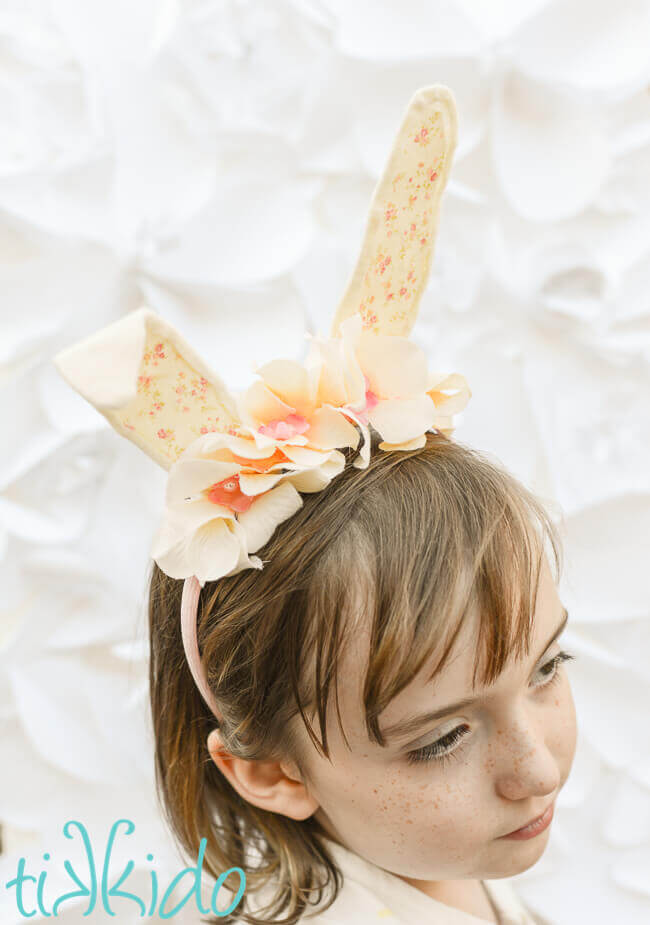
<point x="452" y="801"/>
<point x="434" y="804"/>
<point x="489" y="764"/>
<point x="384" y="794"/>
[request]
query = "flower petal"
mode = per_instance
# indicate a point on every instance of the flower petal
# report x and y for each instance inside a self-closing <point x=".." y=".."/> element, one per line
<point x="249" y="447"/>
<point x="326" y="359"/>
<point x="290" y="381"/>
<point x="213" y="551"/>
<point x="182" y="519"/>
<point x="259" y="405"/>
<point x="188" y="477"/>
<point x="256" y="483"/>
<point x="307" y="457"/>
<point x="399" y="420"/>
<point x="416" y="444"/>
<point x="245" y="560"/>
<point x="311" y="480"/>
<point x="261" y="519"/>
<point x="449" y="404"/>
<point x="329" y="430"/>
<point x="445" y="425"/>
<point x="165" y="539"/>
<point x="186" y="555"/>
<point x="395" y="366"/>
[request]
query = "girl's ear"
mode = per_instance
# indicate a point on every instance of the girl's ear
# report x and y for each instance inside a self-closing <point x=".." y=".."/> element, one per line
<point x="271" y="785"/>
<point x="149" y="384"/>
<point x="393" y="267"/>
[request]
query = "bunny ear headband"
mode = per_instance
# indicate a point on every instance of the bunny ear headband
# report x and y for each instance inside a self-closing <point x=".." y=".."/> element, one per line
<point x="238" y="462"/>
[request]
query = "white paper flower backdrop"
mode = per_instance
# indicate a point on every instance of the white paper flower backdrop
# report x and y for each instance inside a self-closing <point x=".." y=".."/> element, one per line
<point x="216" y="160"/>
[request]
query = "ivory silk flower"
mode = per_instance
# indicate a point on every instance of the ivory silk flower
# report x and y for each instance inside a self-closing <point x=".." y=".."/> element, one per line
<point x="284" y="408"/>
<point x="383" y="380"/>
<point x="225" y="496"/>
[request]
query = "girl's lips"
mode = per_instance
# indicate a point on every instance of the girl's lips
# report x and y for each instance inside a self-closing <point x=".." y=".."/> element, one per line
<point x="533" y="828"/>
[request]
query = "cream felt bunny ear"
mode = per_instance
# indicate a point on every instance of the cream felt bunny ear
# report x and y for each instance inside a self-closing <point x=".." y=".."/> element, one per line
<point x="149" y="384"/>
<point x="381" y="375"/>
<point x="393" y="266"/>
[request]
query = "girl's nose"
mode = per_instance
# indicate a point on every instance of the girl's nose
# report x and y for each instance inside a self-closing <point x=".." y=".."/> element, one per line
<point x="525" y="765"/>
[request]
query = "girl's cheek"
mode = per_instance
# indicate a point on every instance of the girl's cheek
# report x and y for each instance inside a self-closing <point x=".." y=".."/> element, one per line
<point x="569" y="726"/>
<point x="560" y="728"/>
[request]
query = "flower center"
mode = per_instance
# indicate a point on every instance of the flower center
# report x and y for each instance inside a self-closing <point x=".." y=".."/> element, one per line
<point x="284" y="429"/>
<point x="227" y="493"/>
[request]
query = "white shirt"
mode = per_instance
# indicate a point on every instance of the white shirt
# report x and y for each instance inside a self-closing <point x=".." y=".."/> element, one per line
<point x="371" y="895"/>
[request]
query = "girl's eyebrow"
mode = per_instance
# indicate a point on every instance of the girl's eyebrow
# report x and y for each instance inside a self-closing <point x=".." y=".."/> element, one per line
<point x="409" y="726"/>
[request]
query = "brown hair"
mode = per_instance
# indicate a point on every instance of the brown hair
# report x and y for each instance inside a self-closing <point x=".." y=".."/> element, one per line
<point x="421" y="535"/>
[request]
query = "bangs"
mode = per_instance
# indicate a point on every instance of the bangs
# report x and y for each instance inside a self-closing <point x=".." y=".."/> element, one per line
<point x="430" y="536"/>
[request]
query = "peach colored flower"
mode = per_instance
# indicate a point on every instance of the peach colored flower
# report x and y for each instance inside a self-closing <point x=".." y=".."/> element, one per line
<point x="282" y="408"/>
<point x="382" y="380"/>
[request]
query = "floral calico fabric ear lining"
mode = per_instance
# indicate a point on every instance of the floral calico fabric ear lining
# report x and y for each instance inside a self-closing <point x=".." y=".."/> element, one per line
<point x="238" y="463"/>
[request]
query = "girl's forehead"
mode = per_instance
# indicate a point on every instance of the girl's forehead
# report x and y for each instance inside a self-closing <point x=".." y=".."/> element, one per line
<point x="451" y="683"/>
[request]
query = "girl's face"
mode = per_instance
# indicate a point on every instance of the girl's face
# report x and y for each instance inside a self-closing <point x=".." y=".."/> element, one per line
<point x="508" y="755"/>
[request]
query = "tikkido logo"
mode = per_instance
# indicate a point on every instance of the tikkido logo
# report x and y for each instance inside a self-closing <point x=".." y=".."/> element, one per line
<point x="91" y="890"/>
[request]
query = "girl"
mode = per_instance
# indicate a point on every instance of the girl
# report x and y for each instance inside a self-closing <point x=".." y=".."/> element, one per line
<point x="393" y="718"/>
<point x="394" y="585"/>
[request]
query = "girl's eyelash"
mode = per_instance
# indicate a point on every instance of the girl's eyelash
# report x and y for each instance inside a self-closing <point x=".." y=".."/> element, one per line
<point x="443" y="749"/>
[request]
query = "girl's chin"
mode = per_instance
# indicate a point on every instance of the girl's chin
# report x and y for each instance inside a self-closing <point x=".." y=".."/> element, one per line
<point x="522" y="855"/>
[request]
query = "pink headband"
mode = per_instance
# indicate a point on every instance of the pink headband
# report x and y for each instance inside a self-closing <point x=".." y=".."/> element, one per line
<point x="238" y="462"/>
<point x="189" y="607"/>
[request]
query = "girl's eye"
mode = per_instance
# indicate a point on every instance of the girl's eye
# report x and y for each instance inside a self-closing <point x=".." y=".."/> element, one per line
<point x="550" y="671"/>
<point x="443" y="749"/>
<point x="439" y="751"/>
